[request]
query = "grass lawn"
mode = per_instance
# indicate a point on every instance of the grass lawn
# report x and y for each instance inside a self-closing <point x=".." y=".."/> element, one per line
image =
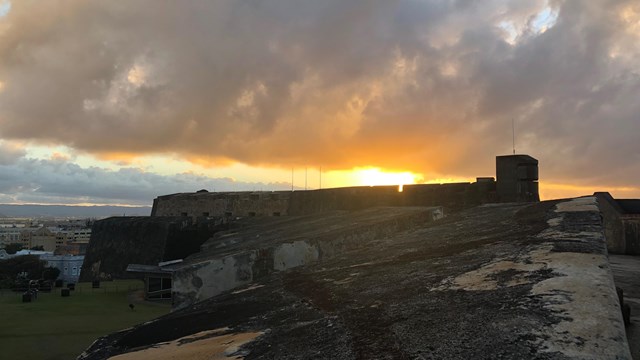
<point x="60" y="328"/>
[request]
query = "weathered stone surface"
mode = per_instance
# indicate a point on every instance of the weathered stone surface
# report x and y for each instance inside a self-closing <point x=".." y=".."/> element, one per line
<point x="119" y="241"/>
<point x="622" y="223"/>
<point x="507" y="281"/>
<point x="256" y="247"/>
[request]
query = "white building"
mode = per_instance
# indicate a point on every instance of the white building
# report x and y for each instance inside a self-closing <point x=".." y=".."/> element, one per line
<point x="68" y="265"/>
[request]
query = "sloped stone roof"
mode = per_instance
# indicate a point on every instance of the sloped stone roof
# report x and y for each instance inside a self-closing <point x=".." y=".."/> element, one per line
<point x="508" y="281"/>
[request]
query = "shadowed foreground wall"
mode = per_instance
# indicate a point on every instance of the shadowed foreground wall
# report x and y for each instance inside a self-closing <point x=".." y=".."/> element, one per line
<point x="256" y="248"/>
<point x="119" y="241"/>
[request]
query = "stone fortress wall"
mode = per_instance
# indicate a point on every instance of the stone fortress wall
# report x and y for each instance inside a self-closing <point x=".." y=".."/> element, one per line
<point x="180" y="223"/>
<point x="282" y="203"/>
<point x="119" y="241"/>
<point x="517" y="177"/>
<point x="621" y="218"/>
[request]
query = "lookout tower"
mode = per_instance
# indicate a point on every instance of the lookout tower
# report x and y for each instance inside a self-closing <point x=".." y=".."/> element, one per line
<point x="517" y="178"/>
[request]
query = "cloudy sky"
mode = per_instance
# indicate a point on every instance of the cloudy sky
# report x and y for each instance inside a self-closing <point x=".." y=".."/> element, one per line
<point x="116" y="102"/>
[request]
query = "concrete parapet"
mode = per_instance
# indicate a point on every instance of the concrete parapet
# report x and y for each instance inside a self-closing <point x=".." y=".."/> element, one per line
<point x="621" y="222"/>
<point x="583" y="290"/>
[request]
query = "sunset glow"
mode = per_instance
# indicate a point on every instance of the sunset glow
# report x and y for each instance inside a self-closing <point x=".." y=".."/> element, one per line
<point x="314" y="96"/>
<point x="375" y="176"/>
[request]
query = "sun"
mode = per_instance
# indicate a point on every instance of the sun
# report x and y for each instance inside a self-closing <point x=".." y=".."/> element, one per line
<point x="375" y="176"/>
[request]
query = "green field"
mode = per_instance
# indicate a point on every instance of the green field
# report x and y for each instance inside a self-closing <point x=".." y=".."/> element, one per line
<point x="60" y="328"/>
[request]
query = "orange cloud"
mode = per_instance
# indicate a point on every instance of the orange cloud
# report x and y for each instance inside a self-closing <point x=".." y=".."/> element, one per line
<point x="56" y="156"/>
<point x="414" y="87"/>
<point x="120" y="158"/>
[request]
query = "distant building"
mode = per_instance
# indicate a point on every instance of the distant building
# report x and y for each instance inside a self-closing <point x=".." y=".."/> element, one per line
<point x="45" y="238"/>
<point x="74" y="235"/>
<point x="9" y="235"/>
<point x="72" y="241"/>
<point x="68" y="265"/>
<point x="25" y="237"/>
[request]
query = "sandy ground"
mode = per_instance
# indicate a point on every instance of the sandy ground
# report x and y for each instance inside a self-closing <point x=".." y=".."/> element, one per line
<point x="205" y="345"/>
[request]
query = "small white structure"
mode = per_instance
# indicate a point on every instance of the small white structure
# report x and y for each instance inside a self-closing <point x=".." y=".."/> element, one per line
<point x="68" y="265"/>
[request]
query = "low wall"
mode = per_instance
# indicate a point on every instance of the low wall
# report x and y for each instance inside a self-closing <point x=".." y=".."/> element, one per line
<point x="622" y="228"/>
<point x="583" y="290"/>
<point x="611" y="216"/>
<point x="631" y="225"/>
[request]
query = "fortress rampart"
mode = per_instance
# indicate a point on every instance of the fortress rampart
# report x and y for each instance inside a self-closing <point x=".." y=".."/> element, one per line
<point x="517" y="177"/>
<point x="180" y="223"/>
<point x="622" y="223"/>
<point x="281" y="203"/>
<point x="119" y="241"/>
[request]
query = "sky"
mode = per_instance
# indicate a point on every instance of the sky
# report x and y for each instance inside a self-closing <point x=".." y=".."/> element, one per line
<point x="117" y="102"/>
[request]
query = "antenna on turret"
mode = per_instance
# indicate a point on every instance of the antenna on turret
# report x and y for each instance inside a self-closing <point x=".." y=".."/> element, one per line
<point x="513" y="135"/>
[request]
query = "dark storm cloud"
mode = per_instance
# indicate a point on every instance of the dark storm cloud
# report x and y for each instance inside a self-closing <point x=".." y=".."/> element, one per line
<point x="429" y="86"/>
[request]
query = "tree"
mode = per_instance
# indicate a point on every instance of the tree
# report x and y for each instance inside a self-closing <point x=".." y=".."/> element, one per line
<point x="50" y="273"/>
<point x="39" y="247"/>
<point x="30" y="264"/>
<point x="13" y="248"/>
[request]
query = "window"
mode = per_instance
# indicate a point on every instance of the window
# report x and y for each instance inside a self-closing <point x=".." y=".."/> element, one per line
<point x="158" y="288"/>
<point x="74" y="271"/>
